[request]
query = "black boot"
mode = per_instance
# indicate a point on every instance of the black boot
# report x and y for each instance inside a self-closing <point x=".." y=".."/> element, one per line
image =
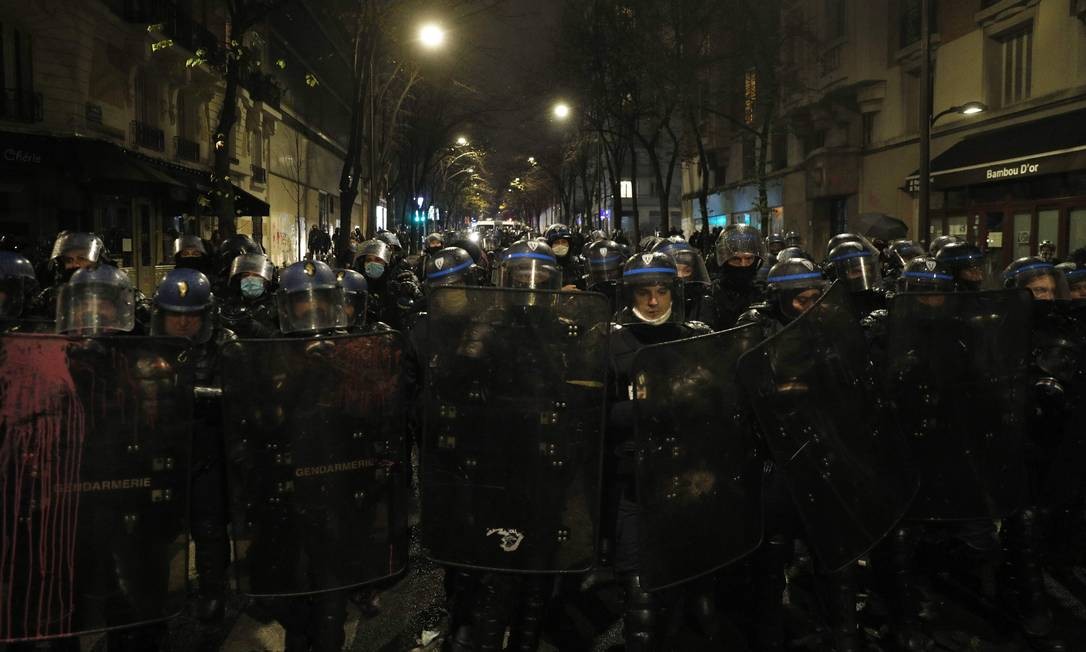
<point x="771" y="560"/>
<point x="491" y="613"/>
<point x="1025" y="580"/>
<point x="212" y="559"/>
<point x="839" y="598"/>
<point x="898" y="555"/>
<point x="533" y="604"/>
<point x="641" y="617"/>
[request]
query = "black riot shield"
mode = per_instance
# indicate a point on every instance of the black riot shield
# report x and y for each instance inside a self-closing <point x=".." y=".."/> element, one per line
<point x="316" y="462"/>
<point x="94" y="462"/>
<point x="956" y="372"/>
<point x="843" y="457"/>
<point x="699" y="471"/>
<point x="513" y="428"/>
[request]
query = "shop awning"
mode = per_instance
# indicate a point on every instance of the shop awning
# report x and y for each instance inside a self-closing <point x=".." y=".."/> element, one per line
<point x="86" y="160"/>
<point x="199" y="181"/>
<point x="1046" y="146"/>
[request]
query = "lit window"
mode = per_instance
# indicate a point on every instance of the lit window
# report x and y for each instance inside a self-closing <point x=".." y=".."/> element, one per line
<point x="626" y="189"/>
<point x="750" y="95"/>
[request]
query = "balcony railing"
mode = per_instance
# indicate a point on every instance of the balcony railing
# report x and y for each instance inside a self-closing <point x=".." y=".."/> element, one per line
<point x="187" y="150"/>
<point x="149" y="137"/>
<point x="260" y="175"/>
<point x="21" y="105"/>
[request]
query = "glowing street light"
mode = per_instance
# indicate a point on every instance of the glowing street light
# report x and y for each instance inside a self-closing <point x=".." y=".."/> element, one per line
<point x="531" y="160"/>
<point x="432" y="36"/>
<point x="561" y="110"/>
<point x="462" y="141"/>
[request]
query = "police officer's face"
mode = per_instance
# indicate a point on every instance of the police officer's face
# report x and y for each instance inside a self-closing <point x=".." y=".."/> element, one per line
<point x="685" y="271"/>
<point x="1043" y="288"/>
<point x="741" y="260"/>
<point x="1078" y="291"/>
<point x="94" y="313"/>
<point x="653" y="301"/>
<point x="189" y="252"/>
<point x="182" y="324"/>
<point x="74" y="259"/>
<point x="306" y="310"/>
<point x="972" y="275"/>
<point x="803" y="301"/>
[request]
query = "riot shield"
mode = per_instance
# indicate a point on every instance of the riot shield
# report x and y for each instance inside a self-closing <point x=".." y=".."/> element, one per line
<point x="94" y="462"/>
<point x="843" y="457"/>
<point x="316" y="462"/>
<point x="513" y="428"/>
<point x="956" y="372"/>
<point x="699" y="472"/>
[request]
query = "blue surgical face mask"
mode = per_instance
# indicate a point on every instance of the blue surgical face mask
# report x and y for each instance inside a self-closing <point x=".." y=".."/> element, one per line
<point x="252" y="287"/>
<point x="375" y="270"/>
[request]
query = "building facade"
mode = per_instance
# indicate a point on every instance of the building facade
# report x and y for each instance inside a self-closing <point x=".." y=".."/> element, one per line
<point x="1007" y="179"/>
<point x="106" y="126"/>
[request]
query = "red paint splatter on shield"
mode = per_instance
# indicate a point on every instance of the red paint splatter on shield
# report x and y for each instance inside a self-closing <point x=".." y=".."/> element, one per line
<point x="42" y="430"/>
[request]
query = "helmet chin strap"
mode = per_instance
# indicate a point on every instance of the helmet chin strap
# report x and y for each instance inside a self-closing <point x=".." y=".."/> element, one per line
<point x="653" y="322"/>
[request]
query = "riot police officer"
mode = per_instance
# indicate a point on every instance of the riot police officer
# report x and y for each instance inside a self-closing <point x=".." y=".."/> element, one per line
<point x="191" y="252"/>
<point x="248" y="308"/>
<point x="236" y="245"/>
<point x="561" y="240"/>
<point x="652" y="312"/>
<point x="700" y="305"/>
<point x="184" y="307"/>
<point x="939" y="242"/>
<point x="72" y="251"/>
<point x="793" y="285"/>
<point x="18" y="284"/>
<point x="1053" y="370"/>
<point x="355" y="297"/>
<point x="392" y="299"/>
<point x="740" y="252"/>
<point x="965" y="262"/>
<point x="96" y="301"/>
<point x="603" y="263"/>
<point x="856" y="264"/>
<point x="896" y="256"/>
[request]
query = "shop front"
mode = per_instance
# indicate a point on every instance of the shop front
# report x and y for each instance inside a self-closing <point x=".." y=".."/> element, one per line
<point x="1011" y="189"/>
<point x="137" y="204"/>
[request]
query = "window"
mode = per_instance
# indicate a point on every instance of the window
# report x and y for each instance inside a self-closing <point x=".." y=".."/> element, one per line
<point x="749" y="157"/>
<point x="1048" y="226"/>
<point x="868" y="129"/>
<point x="909" y="23"/>
<point x="1077" y="236"/>
<point x="626" y="189"/>
<point x="256" y="148"/>
<point x="750" y="95"/>
<point x="835" y="19"/>
<point x="146" y="99"/>
<point x="1016" y="55"/>
<point x="323" y="206"/>
<point x="910" y="94"/>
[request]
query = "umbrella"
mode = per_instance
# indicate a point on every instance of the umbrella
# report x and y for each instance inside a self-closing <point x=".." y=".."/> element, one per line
<point x="880" y="226"/>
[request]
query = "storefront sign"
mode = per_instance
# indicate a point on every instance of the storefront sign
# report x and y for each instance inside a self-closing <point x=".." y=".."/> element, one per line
<point x="1002" y="171"/>
<point x="22" y="156"/>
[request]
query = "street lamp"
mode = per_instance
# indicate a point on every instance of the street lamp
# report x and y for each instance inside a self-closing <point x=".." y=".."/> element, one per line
<point x="561" y="110"/>
<point x="462" y="141"/>
<point x="431" y="36"/>
<point x="924" y="194"/>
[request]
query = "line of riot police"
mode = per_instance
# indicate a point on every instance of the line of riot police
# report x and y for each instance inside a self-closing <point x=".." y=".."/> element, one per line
<point x="575" y="408"/>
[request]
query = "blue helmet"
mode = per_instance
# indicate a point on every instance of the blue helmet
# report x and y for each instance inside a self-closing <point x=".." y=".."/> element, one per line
<point x="356" y="292"/>
<point x="183" y="290"/>
<point x="17" y="283"/>
<point x="309" y="299"/>
<point x="183" y="303"/>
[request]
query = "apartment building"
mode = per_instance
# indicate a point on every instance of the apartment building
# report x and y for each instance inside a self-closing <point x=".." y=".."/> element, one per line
<point x="104" y="127"/>
<point x="1008" y="178"/>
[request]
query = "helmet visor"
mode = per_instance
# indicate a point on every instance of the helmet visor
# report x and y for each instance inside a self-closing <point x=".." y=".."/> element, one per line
<point x="95" y="309"/>
<point x="311" y="310"/>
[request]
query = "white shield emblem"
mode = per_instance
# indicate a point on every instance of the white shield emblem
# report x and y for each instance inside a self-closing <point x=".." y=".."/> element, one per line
<point x="646" y="258"/>
<point x="439" y="263"/>
<point x="930" y="265"/>
<point x="533" y="245"/>
<point x="603" y="251"/>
